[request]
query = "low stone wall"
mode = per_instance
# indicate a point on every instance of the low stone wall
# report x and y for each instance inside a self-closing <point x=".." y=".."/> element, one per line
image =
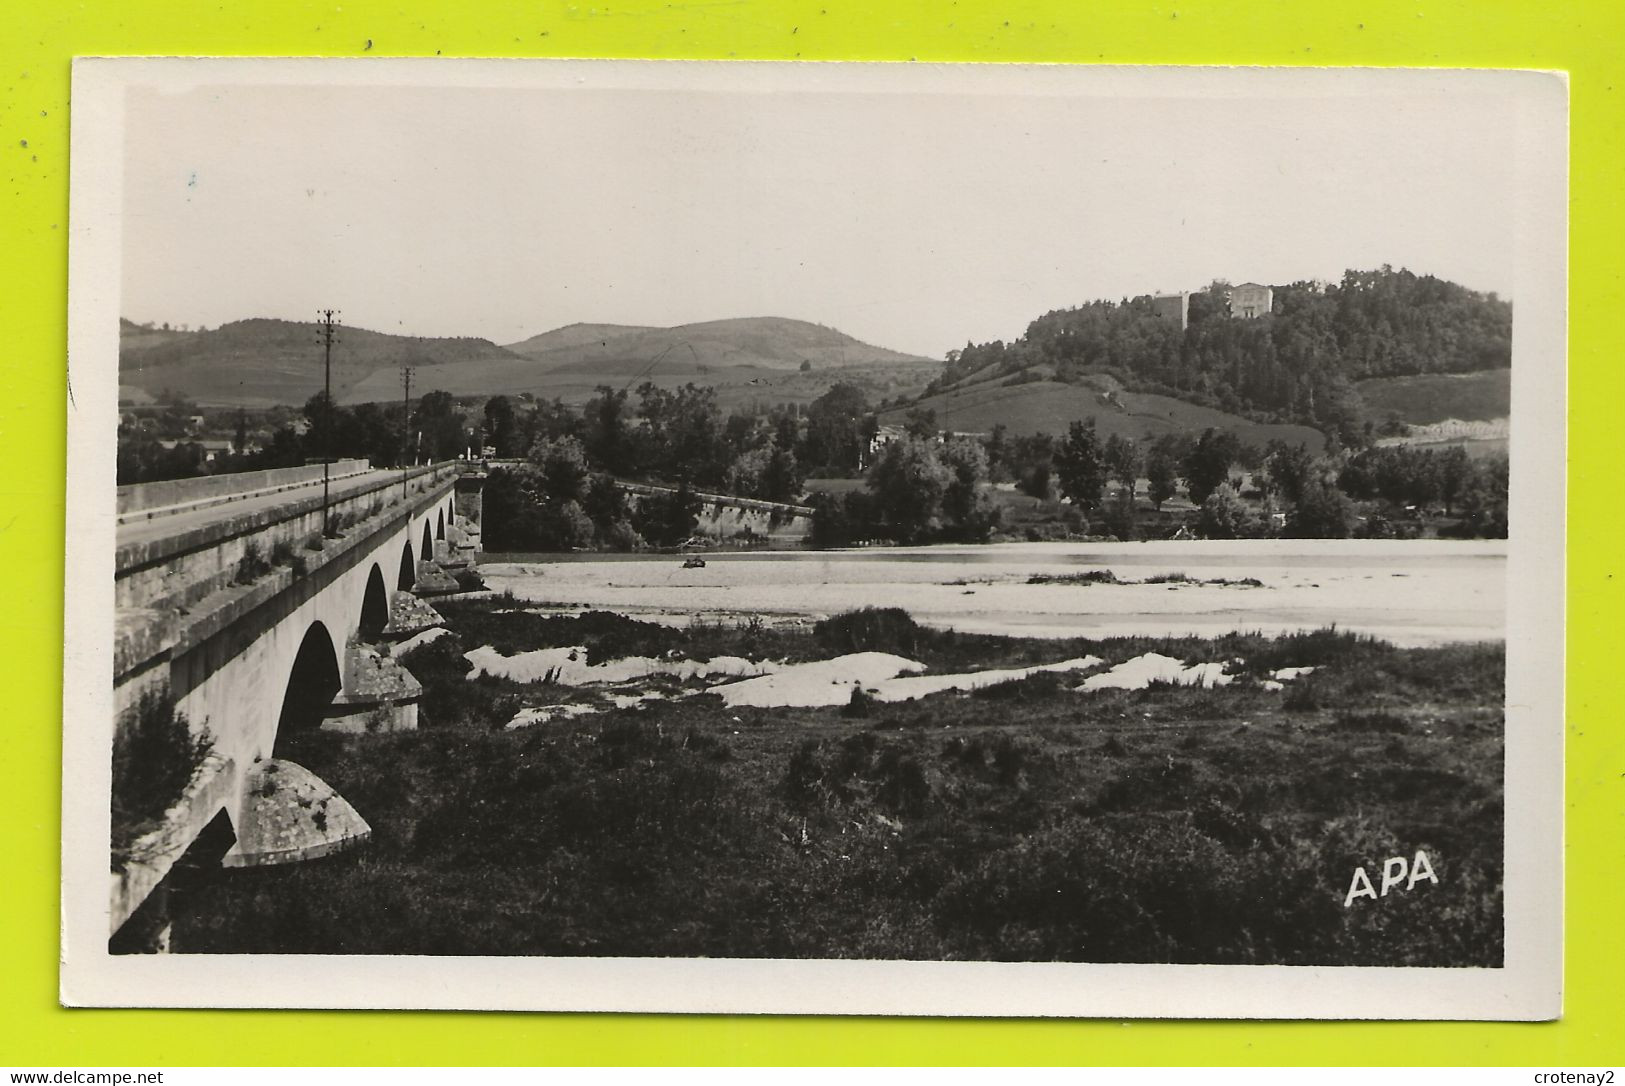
<point x="727" y="518"/>
<point x="728" y="521"/>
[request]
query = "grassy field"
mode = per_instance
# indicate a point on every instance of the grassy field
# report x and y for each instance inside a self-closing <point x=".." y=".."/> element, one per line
<point x="1051" y="406"/>
<point x="1419" y="401"/>
<point x="1023" y="822"/>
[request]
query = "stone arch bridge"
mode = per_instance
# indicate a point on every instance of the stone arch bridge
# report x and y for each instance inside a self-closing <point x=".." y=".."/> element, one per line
<point x="258" y="605"/>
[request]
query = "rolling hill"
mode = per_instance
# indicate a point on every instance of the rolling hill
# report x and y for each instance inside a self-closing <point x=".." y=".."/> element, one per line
<point x="771" y="343"/>
<point x="261" y="362"/>
<point x="574" y="335"/>
<point x="1045" y="406"/>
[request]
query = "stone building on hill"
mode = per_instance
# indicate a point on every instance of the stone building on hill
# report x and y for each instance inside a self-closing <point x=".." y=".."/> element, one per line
<point x="1173" y="307"/>
<point x="1251" y="300"/>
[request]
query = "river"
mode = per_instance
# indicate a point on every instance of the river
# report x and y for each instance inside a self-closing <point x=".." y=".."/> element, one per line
<point x="1416" y="593"/>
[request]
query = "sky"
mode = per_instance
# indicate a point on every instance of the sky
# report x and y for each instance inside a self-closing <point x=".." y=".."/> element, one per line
<point x="913" y="219"/>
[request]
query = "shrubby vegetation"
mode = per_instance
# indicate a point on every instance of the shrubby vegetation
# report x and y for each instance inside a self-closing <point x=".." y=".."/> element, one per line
<point x="155" y="753"/>
<point x="1026" y="822"/>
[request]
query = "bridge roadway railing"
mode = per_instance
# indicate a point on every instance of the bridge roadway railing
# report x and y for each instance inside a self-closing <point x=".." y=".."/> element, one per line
<point x="163" y="579"/>
<point x="144" y="501"/>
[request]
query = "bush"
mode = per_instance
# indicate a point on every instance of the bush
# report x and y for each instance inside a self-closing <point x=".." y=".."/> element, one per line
<point x="872" y="629"/>
<point x="154" y="756"/>
<point x="621" y="536"/>
<point x="252" y="565"/>
<point x="859" y="703"/>
<point x="1035" y="687"/>
<point x="803" y="778"/>
<point x="1372" y="722"/>
<point x="1088" y="576"/>
<point x="1303" y="696"/>
<point x="903" y="787"/>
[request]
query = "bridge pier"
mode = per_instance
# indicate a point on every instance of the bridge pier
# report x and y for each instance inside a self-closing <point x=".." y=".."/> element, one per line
<point x="289" y="814"/>
<point x="379" y="695"/>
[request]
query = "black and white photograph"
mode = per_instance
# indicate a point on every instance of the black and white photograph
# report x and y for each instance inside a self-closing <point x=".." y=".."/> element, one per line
<point x="827" y="538"/>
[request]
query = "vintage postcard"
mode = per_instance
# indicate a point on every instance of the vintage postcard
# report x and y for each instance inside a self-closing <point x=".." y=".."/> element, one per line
<point x="815" y="538"/>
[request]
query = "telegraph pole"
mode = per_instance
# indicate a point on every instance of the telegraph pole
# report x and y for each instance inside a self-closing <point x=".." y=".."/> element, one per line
<point x="326" y="330"/>
<point x="406" y="421"/>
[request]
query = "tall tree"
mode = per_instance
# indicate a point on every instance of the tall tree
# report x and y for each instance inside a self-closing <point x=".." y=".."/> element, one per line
<point x="1225" y="516"/>
<point x="1208" y="463"/>
<point x="908" y="481"/>
<point x="1122" y="458"/>
<point x="1080" y="464"/>
<point x="782" y="479"/>
<point x="838" y="428"/>
<point x="605" y="431"/>
<point x="1322" y="512"/>
<point x="966" y="508"/>
<point x="1289" y="468"/>
<point x="437" y="426"/>
<point x="562" y="464"/>
<point x="502" y="426"/>
<point x="1162" y="471"/>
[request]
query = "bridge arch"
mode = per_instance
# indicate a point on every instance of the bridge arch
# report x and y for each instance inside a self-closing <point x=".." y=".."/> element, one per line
<point x="428" y="541"/>
<point x="312" y="684"/>
<point x="374" y="606"/>
<point x="440" y="525"/>
<point x="408" y="574"/>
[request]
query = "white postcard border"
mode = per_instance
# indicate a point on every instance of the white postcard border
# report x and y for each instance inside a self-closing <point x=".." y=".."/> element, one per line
<point x="1527" y="987"/>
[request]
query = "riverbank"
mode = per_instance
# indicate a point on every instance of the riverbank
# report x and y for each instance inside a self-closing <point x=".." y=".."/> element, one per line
<point x="1415" y="593"/>
<point x="1055" y="816"/>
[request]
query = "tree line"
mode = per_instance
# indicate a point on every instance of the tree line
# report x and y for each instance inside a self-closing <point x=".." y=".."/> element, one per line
<point x="162" y="444"/>
<point x="653" y="434"/>
<point x="562" y="495"/>
<point x="922" y="489"/>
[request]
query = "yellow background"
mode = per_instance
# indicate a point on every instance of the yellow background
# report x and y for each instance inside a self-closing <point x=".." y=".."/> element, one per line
<point x="37" y="40"/>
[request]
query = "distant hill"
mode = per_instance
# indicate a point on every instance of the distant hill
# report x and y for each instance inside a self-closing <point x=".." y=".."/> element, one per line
<point x="574" y="335"/>
<point x="749" y="361"/>
<point x="261" y="362"/>
<point x="133" y="336"/>
<point x="1047" y="406"/>
<point x="769" y="343"/>
<point x="1299" y="361"/>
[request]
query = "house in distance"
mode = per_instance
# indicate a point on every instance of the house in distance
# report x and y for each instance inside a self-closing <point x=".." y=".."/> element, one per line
<point x="1251" y="300"/>
<point x="1247" y="301"/>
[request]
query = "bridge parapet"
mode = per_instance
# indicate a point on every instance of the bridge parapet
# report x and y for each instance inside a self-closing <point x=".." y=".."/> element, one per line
<point x="175" y="593"/>
<point x="143" y="500"/>
<point x="173" y="562"/>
